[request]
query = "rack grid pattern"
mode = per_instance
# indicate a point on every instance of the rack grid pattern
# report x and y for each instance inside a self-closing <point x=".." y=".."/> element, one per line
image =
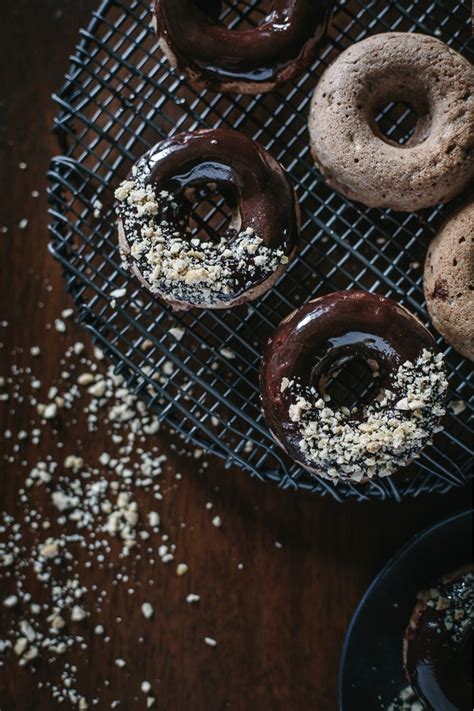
<point x="119" y="98"/>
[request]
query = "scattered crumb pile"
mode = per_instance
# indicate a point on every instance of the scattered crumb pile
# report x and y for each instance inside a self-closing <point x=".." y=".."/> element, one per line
<point x="75" y="513"/>
<point x="406" y="701"/>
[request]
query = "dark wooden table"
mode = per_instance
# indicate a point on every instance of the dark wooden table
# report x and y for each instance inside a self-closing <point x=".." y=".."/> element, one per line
<point x="280" y="621"/>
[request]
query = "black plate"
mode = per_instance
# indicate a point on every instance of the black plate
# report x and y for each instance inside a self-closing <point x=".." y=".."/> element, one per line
<point x="371" y="665"/>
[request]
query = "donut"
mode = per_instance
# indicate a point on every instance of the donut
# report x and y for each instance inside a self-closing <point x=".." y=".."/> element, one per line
<point x="437" y="648"/>
<point x="400" y="412"/>
<point x="155" y="202"/>
<point x="353" y="155"/>
<point x="449" y="281"/>
<point x="250" y="61"/>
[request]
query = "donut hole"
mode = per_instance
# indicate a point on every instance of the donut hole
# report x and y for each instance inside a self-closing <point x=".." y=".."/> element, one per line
<point x="350" y="382"/>
<point x="396" y="121"/>
<point x="241" y="15"/>
<point x="211" y="212"/>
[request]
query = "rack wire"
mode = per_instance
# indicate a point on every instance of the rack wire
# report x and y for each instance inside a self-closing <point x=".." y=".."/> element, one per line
<point x="199" y="370"/>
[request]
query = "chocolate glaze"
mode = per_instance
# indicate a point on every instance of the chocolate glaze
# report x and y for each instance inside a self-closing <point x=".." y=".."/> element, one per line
<point x="322" y="334"/>
<point x="438" y="662"/>
<point x="252" y="181"/>
<point x="242" y="169"/>
<point x="278" y="49"/>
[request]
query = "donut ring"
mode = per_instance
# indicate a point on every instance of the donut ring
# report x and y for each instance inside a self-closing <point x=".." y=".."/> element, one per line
<point x="437" y="647"/>
<point x="156" y="199"/>
<point x="249" y="61"/>
<point x="357" y="160"/>
<point x="449" y="281"/>
<point x="312" y="344"/>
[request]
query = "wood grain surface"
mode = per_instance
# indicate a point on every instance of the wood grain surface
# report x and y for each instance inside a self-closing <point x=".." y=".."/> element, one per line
<point x="279" y="621"/>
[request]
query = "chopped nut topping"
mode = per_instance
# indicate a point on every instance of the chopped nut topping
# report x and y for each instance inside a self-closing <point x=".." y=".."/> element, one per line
<point x="456" y="601"/>
<point x="182" y="268"/>
<point x="147" y="610"/>
<point x="406" y="701"/>
<point x="385" y="435"/>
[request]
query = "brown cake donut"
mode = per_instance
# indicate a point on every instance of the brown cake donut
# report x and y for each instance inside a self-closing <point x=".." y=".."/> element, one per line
<point x="153" y="206"/>
<point x="449" y="281"/>
<point x="437" y="648"/>
<point x="405" y="406"/>
<point x="357" y="160"/>
<point x="249" y="61"/>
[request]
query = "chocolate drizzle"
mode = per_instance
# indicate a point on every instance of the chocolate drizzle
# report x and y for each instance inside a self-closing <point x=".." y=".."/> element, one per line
<point x="438" y="644"/>
<point x="240" y="167"/>
<point x="278" y="49"/>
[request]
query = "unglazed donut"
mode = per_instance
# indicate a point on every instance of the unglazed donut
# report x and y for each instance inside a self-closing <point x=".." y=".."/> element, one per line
<point x="248" y="61"/>
<point x="154" y="203"/>
<point x="449" y="281"/>
<point x="313" y="343"/>
<point x="357" y="160"/>
<point x="437" y="648"/>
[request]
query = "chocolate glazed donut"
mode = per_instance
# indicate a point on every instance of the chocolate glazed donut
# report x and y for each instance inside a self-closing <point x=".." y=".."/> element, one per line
<point x="250" y="61"/>
<point x="437" y="648"/>
<point x="155" y="201"/>
<point x="375" y="439"/>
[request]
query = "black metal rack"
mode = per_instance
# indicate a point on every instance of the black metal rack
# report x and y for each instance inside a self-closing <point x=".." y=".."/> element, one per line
<point x="119" y="98"/>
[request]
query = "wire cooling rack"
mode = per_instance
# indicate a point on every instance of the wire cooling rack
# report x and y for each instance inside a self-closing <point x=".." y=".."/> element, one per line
<point x="199" y="370"/>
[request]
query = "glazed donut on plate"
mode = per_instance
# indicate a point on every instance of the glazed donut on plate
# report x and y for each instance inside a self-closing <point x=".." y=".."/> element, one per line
<point x="372" y="440"/>
<point x="437" y="648"/>
<point x="357" y="160"/>
<point x="449" y="281"/>
<point x="250" y="61"/>
<point x="153" y="205"/>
